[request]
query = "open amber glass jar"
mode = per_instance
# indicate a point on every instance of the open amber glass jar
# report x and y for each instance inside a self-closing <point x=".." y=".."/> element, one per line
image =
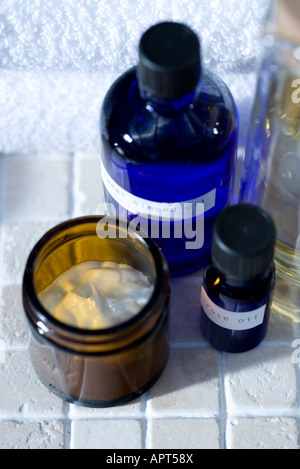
<point x="99" y="367"/>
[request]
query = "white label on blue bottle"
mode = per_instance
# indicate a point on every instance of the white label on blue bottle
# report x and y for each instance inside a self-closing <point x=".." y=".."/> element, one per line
<point x="177" y="211"/>
<point x="230" y="319"/>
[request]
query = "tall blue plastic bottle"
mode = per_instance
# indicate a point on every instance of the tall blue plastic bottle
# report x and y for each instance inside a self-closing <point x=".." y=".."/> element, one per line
<point x="169" y="137"/>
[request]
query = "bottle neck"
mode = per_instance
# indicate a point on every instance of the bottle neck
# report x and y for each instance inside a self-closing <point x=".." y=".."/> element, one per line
<point x="234" y="282"/>
<point x="167" y="106"/>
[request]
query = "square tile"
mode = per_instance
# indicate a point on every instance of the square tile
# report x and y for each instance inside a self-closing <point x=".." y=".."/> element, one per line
<point x="17" y="240"/>
<point x="13" y="326"/>
<point x="37" y="186"/>
<point x="106" y="434"/>
<point x="21" y="392"/>
<point x="189" y="386"/>
<point x="30" y="435"/>
<point x="263" y="378"/>
<point x="88" y="190"/>
<point x="193" y="433"/>
<point x="263" y="433"/>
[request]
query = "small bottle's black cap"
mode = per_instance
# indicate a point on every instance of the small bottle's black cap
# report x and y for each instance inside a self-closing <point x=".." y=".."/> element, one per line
<point x="169" y="60"/>
<point x="243" y="242"/>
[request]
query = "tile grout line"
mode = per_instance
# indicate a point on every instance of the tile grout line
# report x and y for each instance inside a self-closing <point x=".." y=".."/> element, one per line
<point x="67" y="426"/>
<point x="144" y="420"/>
<point x="2" y="186"/>
<point x="72" y="190"/>
<point x="296" y="327"/>
<point x="298" y="389"/>
<point x="67" y="421"/>
<point x="36" y="219"/>
<point x="33" y="156"/>
<point x="64" y="417"/>
<point x="223" y="414"/>
<point x="2" y="206"/>
<point x="2" y="192"/>
<point x="202" y="345"/>
<point x="76" y="196"/>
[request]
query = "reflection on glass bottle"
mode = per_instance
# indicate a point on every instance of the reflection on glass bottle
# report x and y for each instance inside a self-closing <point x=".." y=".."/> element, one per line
<point x="271" y="173"/>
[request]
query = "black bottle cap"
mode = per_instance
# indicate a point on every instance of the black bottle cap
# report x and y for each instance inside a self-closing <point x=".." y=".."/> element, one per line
<point x="169" y="60"/>
<point x="243" y="242"/>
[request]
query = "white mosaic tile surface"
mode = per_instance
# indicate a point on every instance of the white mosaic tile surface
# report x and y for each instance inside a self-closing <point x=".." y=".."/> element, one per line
<point x="204" y="399"/>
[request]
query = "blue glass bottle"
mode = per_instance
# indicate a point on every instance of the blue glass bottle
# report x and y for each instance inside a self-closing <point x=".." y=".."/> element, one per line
<point x="169" y="137"/>
<point x="239" y="279"/>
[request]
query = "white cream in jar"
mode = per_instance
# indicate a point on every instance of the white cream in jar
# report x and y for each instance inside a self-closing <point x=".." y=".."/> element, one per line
<point x="97" y="295"/>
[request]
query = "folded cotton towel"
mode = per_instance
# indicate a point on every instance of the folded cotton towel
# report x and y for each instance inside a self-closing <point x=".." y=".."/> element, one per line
<point x="58" y="58"/>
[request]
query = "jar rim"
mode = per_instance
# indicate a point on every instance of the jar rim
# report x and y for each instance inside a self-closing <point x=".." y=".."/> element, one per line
<point x="40" y="314"/>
